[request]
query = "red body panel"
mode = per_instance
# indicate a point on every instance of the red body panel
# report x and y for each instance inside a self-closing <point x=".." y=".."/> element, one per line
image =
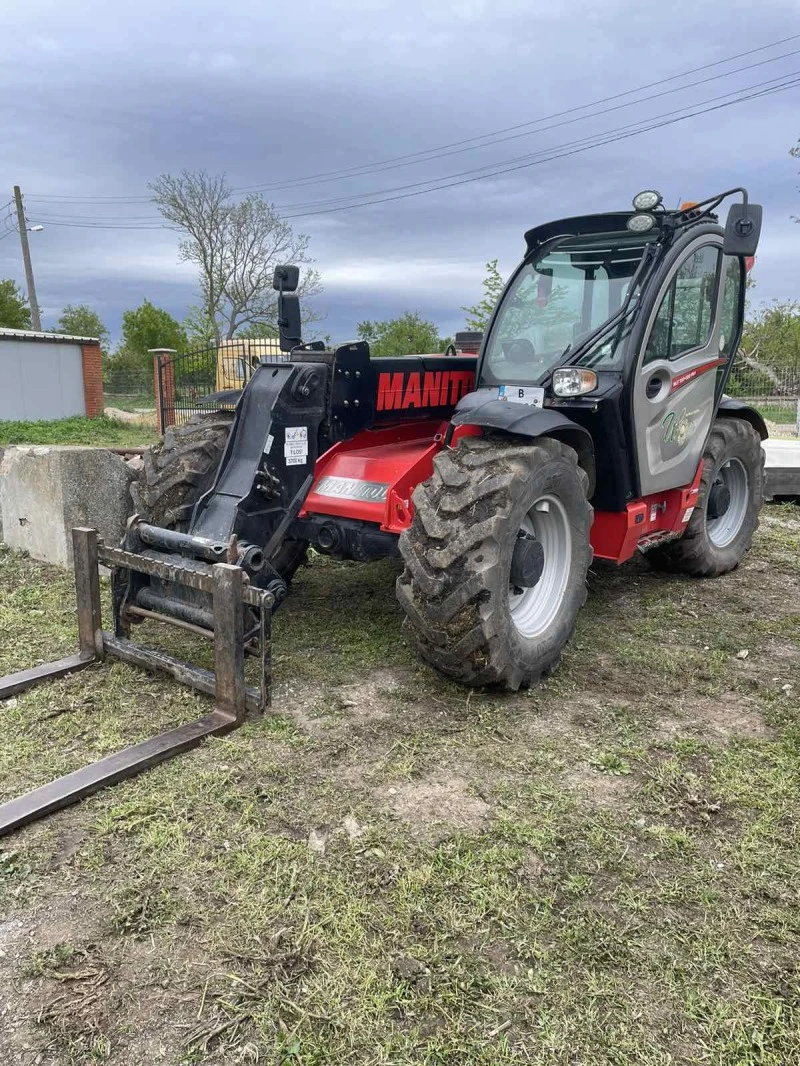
<point x="397" y="459"/>
<point x="616" y="535"/>
<point x="393" y="461"/>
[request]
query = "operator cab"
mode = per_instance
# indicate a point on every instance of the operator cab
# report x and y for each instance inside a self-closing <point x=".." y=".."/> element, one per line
<point x="617" y="319"/>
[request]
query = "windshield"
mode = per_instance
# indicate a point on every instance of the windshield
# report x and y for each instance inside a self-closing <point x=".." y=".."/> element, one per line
<point x="556" y="300"/>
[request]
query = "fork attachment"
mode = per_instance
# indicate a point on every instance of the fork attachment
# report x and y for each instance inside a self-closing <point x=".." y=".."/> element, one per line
<point x="233" y="601"/>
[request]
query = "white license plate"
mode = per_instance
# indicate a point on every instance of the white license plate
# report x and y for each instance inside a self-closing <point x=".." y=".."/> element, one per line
<point x="529" y="394"/>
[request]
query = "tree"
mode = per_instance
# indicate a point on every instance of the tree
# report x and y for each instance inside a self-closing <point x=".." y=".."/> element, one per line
<point x="235" y="247"/>
<point x="479" y="314"/>
<point x="200" y="330"/>
<point x="81" y="321"/>
<point x="14" y="310"/>
<point x="771" y="337"/>
<point x="410" y="334"/>
<point x="149" y="327"/>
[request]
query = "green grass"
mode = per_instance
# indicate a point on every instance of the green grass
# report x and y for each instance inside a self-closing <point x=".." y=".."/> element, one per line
<point x="780" y="414"/>
<point x="127" y="401"/>
<point x="605" y="870"/>
<point x="78" y="430"/>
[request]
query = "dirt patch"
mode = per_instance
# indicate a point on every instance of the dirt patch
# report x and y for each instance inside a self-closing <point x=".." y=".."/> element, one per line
<point x="440" y="798"/>
<point x="721" y="720"/>
<point x="600" y="789"/>
<point x="141" y="417"/>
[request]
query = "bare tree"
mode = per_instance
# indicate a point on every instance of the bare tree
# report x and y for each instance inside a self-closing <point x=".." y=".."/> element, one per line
<point x="235" y="246"/>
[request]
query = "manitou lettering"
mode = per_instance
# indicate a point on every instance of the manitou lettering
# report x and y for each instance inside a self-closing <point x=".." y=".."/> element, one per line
<point x="404" y="392"/>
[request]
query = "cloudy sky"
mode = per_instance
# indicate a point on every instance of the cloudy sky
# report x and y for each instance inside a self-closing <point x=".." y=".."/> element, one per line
<point x="102" y="97"/>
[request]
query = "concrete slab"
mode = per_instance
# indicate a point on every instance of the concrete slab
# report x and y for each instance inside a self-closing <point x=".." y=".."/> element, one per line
<point x="782" y="468"/>
<point x="46" y="490"/>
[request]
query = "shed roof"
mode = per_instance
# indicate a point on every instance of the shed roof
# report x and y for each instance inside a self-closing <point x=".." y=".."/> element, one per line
<point x="32" y="335"/>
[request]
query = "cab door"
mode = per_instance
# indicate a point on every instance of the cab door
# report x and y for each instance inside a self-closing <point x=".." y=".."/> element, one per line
<point x="674" y="383"/>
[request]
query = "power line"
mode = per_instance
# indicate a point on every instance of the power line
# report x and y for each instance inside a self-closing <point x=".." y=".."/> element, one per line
<point x="488" y="170"/>
<point x="432" y="153"/>
<point x="491" y="168"/>
<point x="558" y="155"/>
<point x="492" y="139"/>
<point x="570" y="148"/>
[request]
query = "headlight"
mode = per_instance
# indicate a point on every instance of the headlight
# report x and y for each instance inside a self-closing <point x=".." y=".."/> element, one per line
<point x="573" y="381"/>
<point x="647" y="200"/>
<point x="640" y="223"/>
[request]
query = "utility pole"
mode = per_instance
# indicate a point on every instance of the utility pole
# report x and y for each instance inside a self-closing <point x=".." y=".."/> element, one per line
<point x="26" y="258"/>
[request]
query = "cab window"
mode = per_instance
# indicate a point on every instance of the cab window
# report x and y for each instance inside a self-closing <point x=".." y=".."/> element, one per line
<point x="731" y="294"/>
<point x="686" y="315"/>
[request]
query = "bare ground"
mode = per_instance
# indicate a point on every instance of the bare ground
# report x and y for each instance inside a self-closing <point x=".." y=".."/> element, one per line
<point x="389" y="869"/>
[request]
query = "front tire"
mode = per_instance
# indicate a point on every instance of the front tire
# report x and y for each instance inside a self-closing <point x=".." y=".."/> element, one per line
<point x="725" y="517"/>
<point x="469" y="621"/>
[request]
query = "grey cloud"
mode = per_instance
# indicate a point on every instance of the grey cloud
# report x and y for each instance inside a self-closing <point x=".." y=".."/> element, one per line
<point x="105" y="97"/>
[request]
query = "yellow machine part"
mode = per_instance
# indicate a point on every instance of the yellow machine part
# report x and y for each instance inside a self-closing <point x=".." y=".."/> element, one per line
<point x="237" y="358"/>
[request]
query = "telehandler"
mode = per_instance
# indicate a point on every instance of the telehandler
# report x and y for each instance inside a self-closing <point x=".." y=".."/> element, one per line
<point x="593" y="422"/>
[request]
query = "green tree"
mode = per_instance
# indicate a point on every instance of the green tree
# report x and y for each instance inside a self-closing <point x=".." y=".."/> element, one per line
<point x="259" y="331"/>
<point x="771" y="336"/>
<point x="79" y="320"/>
<point x="479" y="314"/>
<point x="149" y="327"/>
<point x="200" y="330"/>
<point x="14" y="310"/>
<point x="410" y="334"/>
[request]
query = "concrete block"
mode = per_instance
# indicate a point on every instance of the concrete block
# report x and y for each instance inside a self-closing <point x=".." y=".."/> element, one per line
<point x="46" y="490"/>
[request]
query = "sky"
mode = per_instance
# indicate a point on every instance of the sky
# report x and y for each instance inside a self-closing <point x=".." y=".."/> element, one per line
<point x="100" y="98"/>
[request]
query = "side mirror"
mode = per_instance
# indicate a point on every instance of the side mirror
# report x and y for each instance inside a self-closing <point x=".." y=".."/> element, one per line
<point x="742" y="229"/>
<point x="286" y="278"/>
<point x="289" y="321"/>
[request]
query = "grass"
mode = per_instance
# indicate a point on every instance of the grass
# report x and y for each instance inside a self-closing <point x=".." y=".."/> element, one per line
<point x="390" y="870"/>
<point x="99" y="432"/>
<point x="782" y="414"/>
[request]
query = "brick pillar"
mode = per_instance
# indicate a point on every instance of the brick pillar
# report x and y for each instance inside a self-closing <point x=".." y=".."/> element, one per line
<point x="92" y="363"/>
<point x="165" y="396"/>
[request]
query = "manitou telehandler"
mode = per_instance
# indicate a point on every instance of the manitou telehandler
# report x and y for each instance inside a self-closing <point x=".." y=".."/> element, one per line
<point x="593" y="422"/>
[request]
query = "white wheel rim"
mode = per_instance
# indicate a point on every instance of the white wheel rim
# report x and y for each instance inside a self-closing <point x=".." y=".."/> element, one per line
<point x="533" y="610"/>
<point x="722" y="530"/>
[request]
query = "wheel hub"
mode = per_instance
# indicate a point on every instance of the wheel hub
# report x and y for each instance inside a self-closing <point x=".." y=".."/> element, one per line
<point x="719" y="499"/>
<point x="726" y="507"/>
<point x="527" y="562"/>
<point x="540" y="567"/>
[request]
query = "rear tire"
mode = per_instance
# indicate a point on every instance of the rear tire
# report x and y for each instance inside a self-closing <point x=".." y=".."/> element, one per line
<point x="455" y="589"/>
<point x="714" y="545"/>
<point x="181" y="468"/>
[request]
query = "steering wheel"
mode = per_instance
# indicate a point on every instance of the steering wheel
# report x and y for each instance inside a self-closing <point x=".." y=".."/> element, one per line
<point x="520" y="351"/>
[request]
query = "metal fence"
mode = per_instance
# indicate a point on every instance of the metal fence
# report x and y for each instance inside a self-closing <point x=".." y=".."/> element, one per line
<point x="208" y="379"/>
<point x="128" y="391"/>
<point x="775" y="392"/>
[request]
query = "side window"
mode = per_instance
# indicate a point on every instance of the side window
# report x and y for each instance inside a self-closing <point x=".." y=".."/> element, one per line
<point x="732" y="273"/>
<point x="686" y="315"/>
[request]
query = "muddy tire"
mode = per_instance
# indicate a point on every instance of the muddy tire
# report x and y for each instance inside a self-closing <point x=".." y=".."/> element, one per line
<point x="725" y="517"/>
<point x="485" y="496"/>
<point x="179" y="469"/>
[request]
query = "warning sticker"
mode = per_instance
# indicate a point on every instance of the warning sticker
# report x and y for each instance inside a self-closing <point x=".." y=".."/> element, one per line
<point x="296" y="433"/>
<point x="268" y="445"/>
<point x="687" y="514"/>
